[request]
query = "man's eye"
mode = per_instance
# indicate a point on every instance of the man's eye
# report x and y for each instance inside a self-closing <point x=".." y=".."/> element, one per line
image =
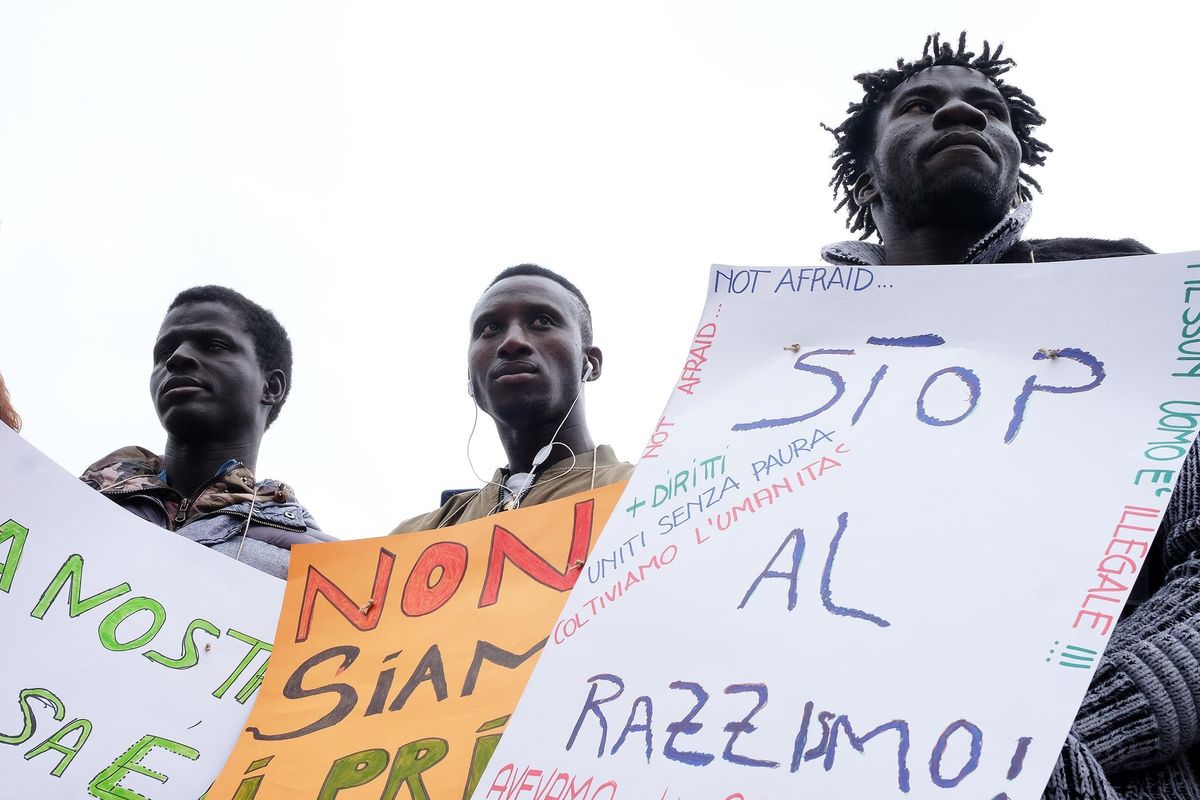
<point x="924" y="106"/>
<point x="543" y="321"/>
<point x="216" y="344"/>
<point x="488" y="329"/>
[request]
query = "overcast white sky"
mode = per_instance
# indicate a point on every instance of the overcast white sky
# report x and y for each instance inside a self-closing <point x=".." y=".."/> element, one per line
<point x="364" y="169"/>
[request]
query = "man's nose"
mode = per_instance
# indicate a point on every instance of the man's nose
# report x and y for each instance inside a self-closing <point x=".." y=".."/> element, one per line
<point x="182" y="359"/>
<point x="515" y="342"/>
<point x="959" y="112"/>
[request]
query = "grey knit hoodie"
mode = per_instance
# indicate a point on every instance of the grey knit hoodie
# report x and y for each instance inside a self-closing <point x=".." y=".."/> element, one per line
<point x="1140" y="719"/>
<point x="1136" y="733"/>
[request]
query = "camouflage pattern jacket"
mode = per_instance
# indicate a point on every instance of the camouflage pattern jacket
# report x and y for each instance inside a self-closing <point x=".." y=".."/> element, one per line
<point x="216" y="514"/>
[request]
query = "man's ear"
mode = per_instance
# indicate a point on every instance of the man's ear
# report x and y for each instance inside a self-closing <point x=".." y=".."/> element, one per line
<point x="865" y="192"/>
<point x="274" y="387"/>
<point x="596" y="359"/>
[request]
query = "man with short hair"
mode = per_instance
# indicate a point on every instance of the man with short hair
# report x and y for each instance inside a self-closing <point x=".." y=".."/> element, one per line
<point x="930" y="161"/>
<point x="529" y="357"/>
<point x="222" y="371"/>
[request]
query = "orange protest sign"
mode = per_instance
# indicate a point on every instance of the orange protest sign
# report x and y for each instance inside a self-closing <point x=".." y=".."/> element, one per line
<point x="398" y="660"/>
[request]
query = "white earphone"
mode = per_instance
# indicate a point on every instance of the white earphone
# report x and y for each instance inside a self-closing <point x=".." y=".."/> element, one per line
<point x="519" y="483"/>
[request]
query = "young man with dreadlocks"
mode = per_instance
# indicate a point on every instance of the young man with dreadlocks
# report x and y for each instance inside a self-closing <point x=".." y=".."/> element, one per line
<point x="930" y="162"/>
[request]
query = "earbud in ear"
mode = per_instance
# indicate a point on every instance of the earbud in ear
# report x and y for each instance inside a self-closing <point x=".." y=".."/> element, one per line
<point x="470" y="389"/>
<point x="587" y="371"/>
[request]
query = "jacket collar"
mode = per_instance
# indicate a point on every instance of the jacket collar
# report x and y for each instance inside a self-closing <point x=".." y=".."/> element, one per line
<point x="136" y="470"/>
<point x="603" y="456"/>
<point x="987" y="250"/>
<point x="599" y="459"/>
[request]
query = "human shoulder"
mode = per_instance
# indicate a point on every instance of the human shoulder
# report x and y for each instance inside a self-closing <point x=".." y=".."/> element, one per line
<point x="609" y="469"/>
<point x="600" y="468"/>
<point x="277" y="515"/>
<point x="453" y="510"/>
<point x="128" y="476"/>
<point x="571" y="477"/>
<point x="1072" y="249"/>
<point x="614" y="473"/>
<point x="127" y="466"/>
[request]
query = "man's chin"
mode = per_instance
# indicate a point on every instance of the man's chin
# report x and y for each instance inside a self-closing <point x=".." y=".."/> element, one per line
<point x="521" y="413"/>
<point x="967" y="200"/>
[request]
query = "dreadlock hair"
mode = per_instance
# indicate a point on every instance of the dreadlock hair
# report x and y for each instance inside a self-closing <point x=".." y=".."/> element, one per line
<point x="272" y="346"/>
<point x="855" y="136"/>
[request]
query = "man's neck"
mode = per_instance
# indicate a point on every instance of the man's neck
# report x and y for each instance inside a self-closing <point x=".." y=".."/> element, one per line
<point x="189" y="466"/>
<point x="520" y="446"/>
<point x="930" y="245"/>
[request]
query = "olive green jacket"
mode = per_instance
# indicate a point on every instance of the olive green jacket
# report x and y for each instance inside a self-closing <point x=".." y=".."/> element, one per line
<point x="599" y="467"/>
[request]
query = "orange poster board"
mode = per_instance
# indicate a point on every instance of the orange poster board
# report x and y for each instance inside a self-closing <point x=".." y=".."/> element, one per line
<point x="398" y="660"/>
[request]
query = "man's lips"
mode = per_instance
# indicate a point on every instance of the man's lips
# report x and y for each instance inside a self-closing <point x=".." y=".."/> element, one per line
<point x="179" y="383"/>
<point x="512" y="371"/>
<point x="961" y="139"/>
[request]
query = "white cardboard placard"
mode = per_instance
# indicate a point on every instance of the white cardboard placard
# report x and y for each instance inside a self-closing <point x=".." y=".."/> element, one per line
<point x="871" y="549"/>
<point x="141" y="683"/>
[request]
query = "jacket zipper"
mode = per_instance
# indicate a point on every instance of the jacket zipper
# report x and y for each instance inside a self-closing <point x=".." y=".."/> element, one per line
<point x="146" y="494"/>
<point x="266" y="523"/>
<point x="181" y="515"/>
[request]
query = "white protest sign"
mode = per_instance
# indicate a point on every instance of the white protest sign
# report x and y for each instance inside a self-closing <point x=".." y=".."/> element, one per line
<point x="877" y="541"/>
<point x="130" y="654"/>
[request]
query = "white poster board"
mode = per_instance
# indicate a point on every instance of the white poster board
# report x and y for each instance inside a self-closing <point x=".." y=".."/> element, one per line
<point x="131" y="655"/>
<point x="877" y="541"/>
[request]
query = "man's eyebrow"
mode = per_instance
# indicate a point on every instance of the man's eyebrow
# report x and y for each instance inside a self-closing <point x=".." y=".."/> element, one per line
<point x="923" y="90"/>
<point x="200" y="330"/>
<point x="930" y="92"/>
<point x="529" y="307"/>
<point x="546" y="308"/>
<point x="191" y="332"/>
<point x="985" y="93"/>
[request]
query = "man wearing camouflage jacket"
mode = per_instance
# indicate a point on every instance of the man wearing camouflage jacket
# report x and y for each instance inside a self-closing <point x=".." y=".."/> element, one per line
<point x="222" y="370"/>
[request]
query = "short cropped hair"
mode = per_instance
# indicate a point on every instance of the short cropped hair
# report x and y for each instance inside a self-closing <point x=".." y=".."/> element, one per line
<point x="272" y="346"/>
<point x="856" y="135"/>
<point x="585" y="311"/>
